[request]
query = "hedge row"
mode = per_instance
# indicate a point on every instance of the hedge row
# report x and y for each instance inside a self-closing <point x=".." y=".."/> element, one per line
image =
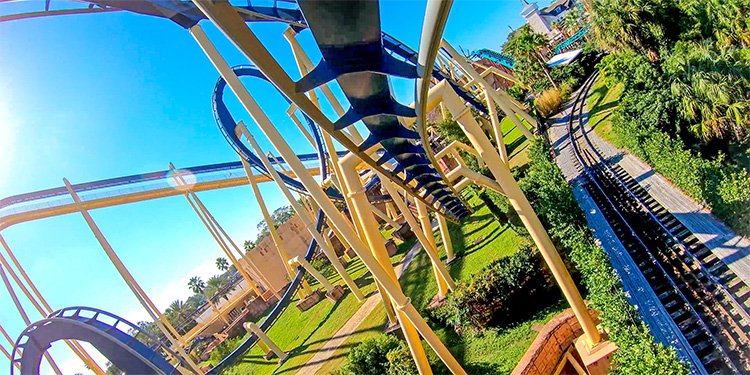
<point x="507" y="291"/>
<point x="553" y="200"/>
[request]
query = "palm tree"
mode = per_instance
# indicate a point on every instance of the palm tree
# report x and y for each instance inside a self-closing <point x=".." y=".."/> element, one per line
<point x="176" y="312"/>
<point x="711" y="87"/>
<point x="638" y="25"/>
<point x="527" y="44"/>
<point x="213" y="285"/>
<point x="222" y="264"/>
<point x="572" y="21"/>
<point x="196" y="285"/>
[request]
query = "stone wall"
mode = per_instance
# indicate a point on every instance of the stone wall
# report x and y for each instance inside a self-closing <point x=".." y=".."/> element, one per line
<point x="550" y="345"/>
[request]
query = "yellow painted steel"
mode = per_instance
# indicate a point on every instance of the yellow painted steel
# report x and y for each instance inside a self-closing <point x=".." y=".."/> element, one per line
<point x="162" y="323"/>
<point x="523" y="208"/>
<point x="214" y="228"/>
<point x="497" y="131"/>
<point x="313" y="272"/>
<point x="25" y="318"/>
<point x="508" y="108"/>
<point x="11" y="343"/>
<point x="138" y="196"/>
<point x="306" y="220"/>
<point x="41" y="304"/>
<point x="422" y="237"/>
<point x="446" y="236"/>
<point x="426" y="223"/>
<point x="223" y="15"/>
<point x="266" y="341"/>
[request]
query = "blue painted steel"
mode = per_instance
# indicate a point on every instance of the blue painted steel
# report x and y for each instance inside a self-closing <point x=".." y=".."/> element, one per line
<point x="496" y="57"/>
<point x="121" y="348"/>
<point x="350" y="41"/>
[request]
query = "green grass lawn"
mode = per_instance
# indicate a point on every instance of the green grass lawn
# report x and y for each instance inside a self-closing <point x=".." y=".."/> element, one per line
<point x="515" y="142"/>
<point x="602" y="102"/>
<point x="479" y="240"/>
<point x="302" y="334"/>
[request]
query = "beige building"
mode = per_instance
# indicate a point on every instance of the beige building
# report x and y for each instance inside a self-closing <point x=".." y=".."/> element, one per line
<point x="266" y="258"/>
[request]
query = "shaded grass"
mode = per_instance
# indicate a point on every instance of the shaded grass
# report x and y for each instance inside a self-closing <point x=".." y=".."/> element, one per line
<point x="602" y="102"/>
<point x="515" y="142"/>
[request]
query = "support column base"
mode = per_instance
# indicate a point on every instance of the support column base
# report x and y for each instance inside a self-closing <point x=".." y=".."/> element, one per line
<point x="309" y="301"/>
<point x="335" y="294"/>
<point x="350" y="253"/>
<point x="596" y="360"/>
<point x="343" y="261"/>
<point x="394" y="329"/>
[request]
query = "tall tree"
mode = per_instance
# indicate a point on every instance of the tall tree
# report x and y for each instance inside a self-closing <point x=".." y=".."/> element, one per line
<point x="196" y="285"/>
<point x="176" y="312"/>
<point x="222" y="264"/>
<point x="526" y="46"/>
<point x="644" y="26"/>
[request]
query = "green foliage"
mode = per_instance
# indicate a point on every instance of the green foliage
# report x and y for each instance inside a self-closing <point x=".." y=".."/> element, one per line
<point x="517" y="92"/>
<point x="380" y="355"/>
<point x="629" y="68"/>
<point x="530" y="66"/>
<point x="642" y="26"/>
<point x="712" y="87"/>
<point x="507" y="291"/>
<point x="224" y="349"/>
<point x="322" y="265"/>
<point x="553" y="201"/>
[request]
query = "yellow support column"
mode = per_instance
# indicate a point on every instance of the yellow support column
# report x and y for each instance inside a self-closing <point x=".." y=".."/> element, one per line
<point x="262" y="337"/>
<point x="446" y="236"/>
<point x="424" y="220"/>
<point x="166" y="328"/>
<point x="496" y="128"/>
<point x="232" y="25"/>
<point x="374" y="238"/>
<point x="504" y="105"/>
<point x="11" y="343"/>
<point x="313" y="272"/>
<point x="306" y="220"/>
<point x="439" y="268"/>
<point x="518" y="200"/>
<point x="25" y="318"/>
<point x="305" y="288"/>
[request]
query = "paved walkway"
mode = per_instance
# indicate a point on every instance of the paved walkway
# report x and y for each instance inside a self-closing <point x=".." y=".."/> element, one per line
<point x="634" y="283"/>
<point x="338" y="339"/>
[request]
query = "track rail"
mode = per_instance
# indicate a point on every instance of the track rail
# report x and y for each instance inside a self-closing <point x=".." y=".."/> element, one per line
<point x="706" y="300"/>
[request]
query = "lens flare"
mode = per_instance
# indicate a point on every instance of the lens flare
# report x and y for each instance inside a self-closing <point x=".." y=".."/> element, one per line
<point x="181" y="179"/>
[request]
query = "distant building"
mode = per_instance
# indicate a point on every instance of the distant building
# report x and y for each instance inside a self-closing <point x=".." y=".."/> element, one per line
<point x="541" y="20"/>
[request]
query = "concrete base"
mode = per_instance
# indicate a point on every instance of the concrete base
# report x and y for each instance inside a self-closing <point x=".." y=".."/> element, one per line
<point x="309" y="301"/>
<point x="403" y="233"/>
<point x="596" y="359"/>
<point x="350" y="253"/>
<point x="343" y="261"/>
<point x="391" y="247"/>
<point x="335" y="294"/>
<point x="394" y="329"/>
<point x="269" y="355"/>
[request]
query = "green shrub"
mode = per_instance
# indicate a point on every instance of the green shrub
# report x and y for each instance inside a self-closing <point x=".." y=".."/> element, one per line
<point x="517" y="92"/>
<point x="380" y="355"/>
<point x="509" y="290"/>
<point x="322" y="265"/>
<point x="220" y="352"/>
<point x="545" y="187"/>
<point x="641" y="125"/>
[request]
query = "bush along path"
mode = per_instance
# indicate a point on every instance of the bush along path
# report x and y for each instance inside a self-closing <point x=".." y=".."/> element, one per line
<point x="552" y="198"/>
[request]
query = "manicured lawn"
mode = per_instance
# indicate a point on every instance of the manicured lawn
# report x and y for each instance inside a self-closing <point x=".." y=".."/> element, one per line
<point x="302" y="334"/>
<point x="602" y="102"/>
<point x="515" y="142"/>
<point x="480" y="240"/>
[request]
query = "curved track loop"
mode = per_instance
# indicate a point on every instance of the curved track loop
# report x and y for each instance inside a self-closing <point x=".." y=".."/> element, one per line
<point x="101" y="329"/>
<point x="712" y="320"/>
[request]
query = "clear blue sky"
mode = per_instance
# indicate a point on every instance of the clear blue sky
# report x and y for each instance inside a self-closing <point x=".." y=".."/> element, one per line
<point x="99" y="96"/>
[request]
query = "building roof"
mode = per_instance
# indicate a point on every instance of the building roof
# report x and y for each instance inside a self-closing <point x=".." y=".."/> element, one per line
<point x="557" y="7"/>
